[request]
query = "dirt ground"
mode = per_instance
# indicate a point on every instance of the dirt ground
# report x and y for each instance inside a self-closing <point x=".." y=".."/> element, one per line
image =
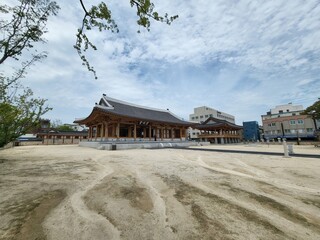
<point x="69" y="192"/>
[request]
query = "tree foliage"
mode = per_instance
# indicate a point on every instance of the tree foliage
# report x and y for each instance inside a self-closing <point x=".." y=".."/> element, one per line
<point x="22" y="27"/>
<point x="64" y="128"/>
<point x="25" y="28"/>
<point x="19" y="115"/>
<point x="59" y="126"/>
<point x="29" y="18"/>
<point x="100" y="17"/>
<point x="313" y="110"/>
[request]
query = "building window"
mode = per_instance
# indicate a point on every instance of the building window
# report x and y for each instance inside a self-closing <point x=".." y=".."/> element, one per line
<point x="201" y="116"/>
<point x="287" y="130"/>
<point x="300" y="121"/>
<point x="210" y="115"/>
<point x="309" y="129"/>
<point x="278" y="131"/>
<point x="206" y="116"/>
<point x="273" y="124"/>
<point x="293" y="114"/>
<point x="292" y="122"/>
<point x="269" y="124"/>
<point x="192" y="118"/>
<point x="197" y="117"/>
<point x="293" y="131"/>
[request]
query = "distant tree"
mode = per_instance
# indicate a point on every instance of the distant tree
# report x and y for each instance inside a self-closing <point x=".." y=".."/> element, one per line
<point x="55" y="123"/>
<point x="65" y="128"/>
<point x="59" y="126"/>
<point x="313" y="110"/>
<point x="20" y="115"/>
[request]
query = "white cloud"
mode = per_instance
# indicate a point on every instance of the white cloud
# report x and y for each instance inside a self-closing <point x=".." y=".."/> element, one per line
<point x="241" y="57"/>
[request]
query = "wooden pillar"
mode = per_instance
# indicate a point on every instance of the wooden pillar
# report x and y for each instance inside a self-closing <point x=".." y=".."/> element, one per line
<point x="144" y="132"/>
<point x="129" y="132"/>
<point x="155" y="135"/>
<point x="150" y="132"/>
<point x="180" y="133"/>
<point x="112" y="131"/>
<point x="171" y="133"/>
<point x="118" y="130"/>
<point x="96" y="133"/>
<point x="106" y="130"/>
<point x="161" y="133"/>
<point x="102" y="131"/>
<point x="135" y="131"/>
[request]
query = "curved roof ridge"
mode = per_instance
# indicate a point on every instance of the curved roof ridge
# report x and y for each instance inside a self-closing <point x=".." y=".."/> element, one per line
<point x="125" y="109"/>
<point x="134" y="105"/>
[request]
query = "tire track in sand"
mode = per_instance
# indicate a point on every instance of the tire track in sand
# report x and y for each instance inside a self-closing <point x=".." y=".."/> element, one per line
<point x="272" y="181"/>
<point x="87" y="224"/>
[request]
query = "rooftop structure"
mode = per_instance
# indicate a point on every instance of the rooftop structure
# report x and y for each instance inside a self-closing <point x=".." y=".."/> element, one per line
<point x="201" y="114"/>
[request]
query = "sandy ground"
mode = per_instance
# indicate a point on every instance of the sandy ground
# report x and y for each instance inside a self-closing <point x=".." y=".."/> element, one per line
<point x="69" y="192"/>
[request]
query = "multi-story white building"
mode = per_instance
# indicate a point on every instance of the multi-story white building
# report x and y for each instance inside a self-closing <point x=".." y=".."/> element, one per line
<point x="201" y="114"/>
<point x="286" y="121"/>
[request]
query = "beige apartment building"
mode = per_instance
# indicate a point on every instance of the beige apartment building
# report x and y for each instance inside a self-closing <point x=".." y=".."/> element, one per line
<point x="202" y="114"/>
<point x="286" y="121"/>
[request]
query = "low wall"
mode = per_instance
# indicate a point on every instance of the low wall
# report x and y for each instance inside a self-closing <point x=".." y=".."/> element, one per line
<point x="29" y="143"/>
<point x="137" y="145"/>
<point x="60" y="141"/>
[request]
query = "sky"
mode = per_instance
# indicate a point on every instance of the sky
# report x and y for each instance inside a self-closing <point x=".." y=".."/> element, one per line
<point x="240" y="57"/>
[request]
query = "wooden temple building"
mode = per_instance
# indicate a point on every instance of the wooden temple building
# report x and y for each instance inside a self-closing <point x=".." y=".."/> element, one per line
<point x="116" y="120"/>
<point x="219" y="131"/>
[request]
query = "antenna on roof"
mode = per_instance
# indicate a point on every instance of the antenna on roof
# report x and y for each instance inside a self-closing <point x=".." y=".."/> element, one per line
<point x="104" y="94"/>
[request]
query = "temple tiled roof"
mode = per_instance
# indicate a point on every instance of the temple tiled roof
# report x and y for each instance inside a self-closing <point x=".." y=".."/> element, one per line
<point x="214" y="123"/>
<point x="117" y="107"/>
